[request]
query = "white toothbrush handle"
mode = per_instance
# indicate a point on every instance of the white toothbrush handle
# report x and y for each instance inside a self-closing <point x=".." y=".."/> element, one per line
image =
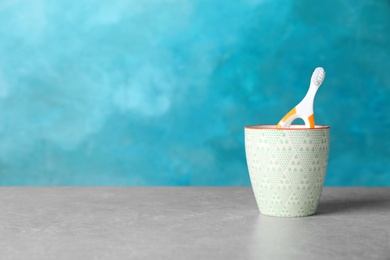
<point x="304" y="109"/>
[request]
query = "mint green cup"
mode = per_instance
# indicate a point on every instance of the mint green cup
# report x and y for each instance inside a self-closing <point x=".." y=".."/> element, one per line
<point x="287" y="168"/>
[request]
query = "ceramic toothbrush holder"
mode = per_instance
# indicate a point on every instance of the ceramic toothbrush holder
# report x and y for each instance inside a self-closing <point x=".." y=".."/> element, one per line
<point x="287" y="167"/>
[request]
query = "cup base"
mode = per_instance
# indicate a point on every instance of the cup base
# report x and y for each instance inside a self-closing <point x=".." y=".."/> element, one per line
<point x="288" y="216"/>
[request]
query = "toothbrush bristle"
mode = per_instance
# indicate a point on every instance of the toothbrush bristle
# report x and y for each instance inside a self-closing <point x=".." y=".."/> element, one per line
<point x="318" y="76"/>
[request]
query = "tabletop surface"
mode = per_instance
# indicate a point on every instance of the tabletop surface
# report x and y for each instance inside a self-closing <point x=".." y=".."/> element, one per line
<point x="187" y="223"/>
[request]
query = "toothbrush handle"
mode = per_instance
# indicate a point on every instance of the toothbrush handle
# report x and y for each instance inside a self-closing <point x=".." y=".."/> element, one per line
<point x="309" y="121"/>
<point x="292" y="115"/>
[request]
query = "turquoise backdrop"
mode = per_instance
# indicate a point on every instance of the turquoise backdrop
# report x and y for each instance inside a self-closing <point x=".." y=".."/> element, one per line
<point x="157" y="92"/>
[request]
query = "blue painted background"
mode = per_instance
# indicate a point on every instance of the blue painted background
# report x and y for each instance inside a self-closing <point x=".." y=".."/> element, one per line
<point x="157" y="92"/>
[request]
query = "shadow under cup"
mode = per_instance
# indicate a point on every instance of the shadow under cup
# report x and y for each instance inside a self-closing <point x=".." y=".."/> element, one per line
<point x="287" y="167"/>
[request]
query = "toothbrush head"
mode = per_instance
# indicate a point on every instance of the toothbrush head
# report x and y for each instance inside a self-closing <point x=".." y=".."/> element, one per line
<point x="318" y="76"/>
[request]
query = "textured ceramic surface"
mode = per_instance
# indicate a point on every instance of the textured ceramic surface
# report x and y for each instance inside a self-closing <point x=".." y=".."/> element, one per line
<point x="287" y="168"/>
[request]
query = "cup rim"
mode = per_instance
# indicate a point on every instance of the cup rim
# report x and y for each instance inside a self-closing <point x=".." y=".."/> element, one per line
<point x="294" y="127"/>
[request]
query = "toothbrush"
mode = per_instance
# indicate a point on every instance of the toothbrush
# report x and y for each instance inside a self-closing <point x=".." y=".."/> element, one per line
<point x="304" y="109"/>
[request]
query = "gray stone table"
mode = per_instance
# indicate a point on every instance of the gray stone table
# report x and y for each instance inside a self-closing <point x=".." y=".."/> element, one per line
<point x="187" y="223"/>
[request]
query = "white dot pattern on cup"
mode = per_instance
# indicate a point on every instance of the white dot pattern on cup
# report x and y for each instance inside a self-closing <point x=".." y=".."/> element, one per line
<point x="287" y="169"/>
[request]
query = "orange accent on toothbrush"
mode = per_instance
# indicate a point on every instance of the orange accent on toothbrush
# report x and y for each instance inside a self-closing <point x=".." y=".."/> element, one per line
<point x="291" y="113"/>
<point x="304" y="109"/>
<point x="311" y="120"/>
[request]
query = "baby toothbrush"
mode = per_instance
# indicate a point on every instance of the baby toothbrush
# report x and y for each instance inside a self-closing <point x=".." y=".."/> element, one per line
<point x="304" y="109"/>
